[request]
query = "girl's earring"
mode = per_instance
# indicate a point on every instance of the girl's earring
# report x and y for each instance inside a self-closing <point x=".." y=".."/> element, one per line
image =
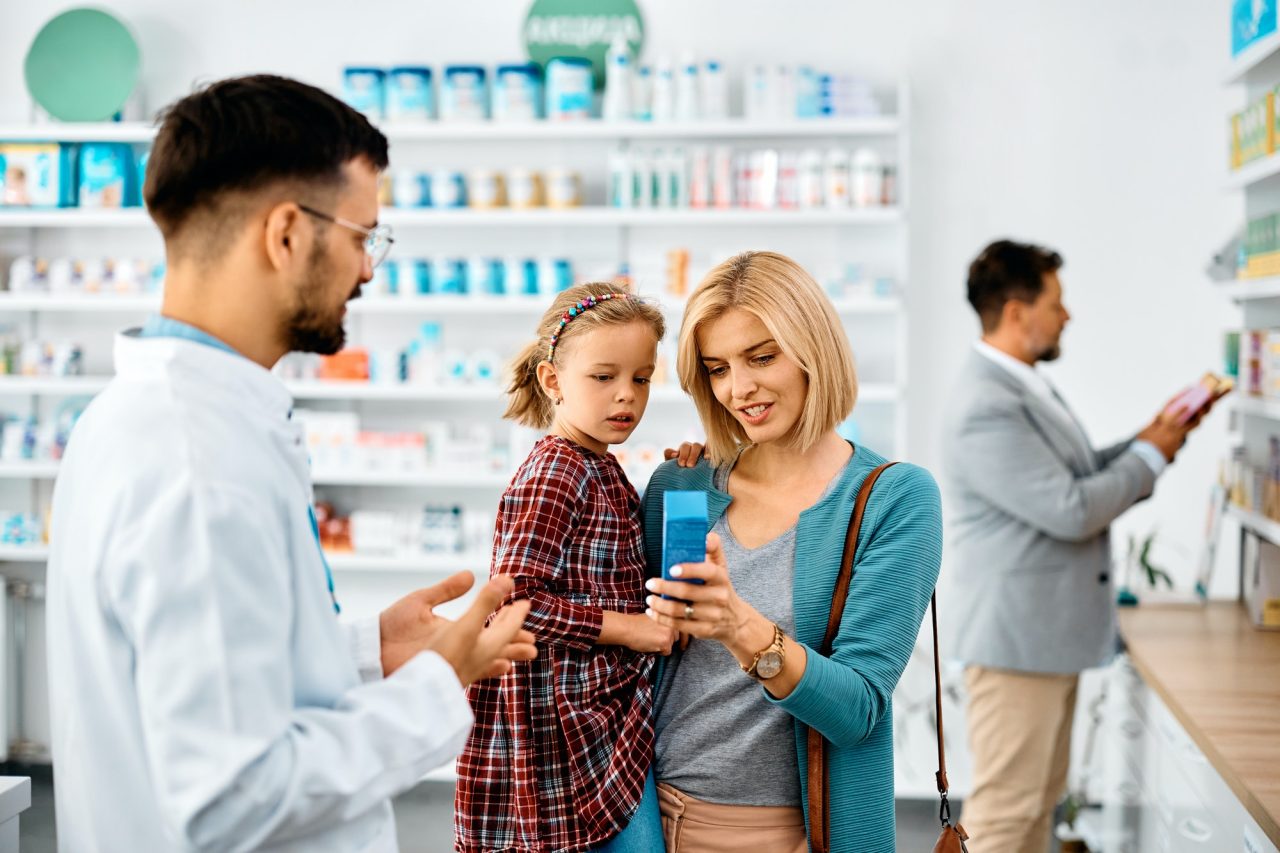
<point x="559" y="400"/>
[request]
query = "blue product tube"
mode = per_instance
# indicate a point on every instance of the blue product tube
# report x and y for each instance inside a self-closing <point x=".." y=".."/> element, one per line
<point x="684" y="531"/>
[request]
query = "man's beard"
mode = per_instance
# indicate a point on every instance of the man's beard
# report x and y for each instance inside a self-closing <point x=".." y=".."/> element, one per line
<point x="1051" y="354"/>
<point x="311" y="328"/>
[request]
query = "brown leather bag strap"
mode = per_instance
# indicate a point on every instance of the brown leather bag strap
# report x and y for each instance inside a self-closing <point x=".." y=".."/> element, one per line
<point x="841" y="593"/>
<point x="953" y="836"/>
<point x="815" y="743"/>
<point x="937" y="698"/>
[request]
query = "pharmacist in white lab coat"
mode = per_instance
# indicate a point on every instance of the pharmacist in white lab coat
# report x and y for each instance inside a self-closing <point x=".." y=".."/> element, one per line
<point x="204" y="694"/>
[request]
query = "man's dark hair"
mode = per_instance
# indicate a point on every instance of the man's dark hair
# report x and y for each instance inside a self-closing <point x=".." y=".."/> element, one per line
<point x="245" y="134"/>
<point x="1007" y="270"/>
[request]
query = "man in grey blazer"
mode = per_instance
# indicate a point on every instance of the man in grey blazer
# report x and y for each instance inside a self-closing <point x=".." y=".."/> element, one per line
<point x="1030" y="503"/>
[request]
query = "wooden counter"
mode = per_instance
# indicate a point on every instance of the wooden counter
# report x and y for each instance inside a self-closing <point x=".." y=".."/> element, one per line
<point x="1221" y="678"/>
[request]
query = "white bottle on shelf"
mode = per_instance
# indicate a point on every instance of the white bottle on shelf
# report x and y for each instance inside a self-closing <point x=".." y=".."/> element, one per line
<point x="642" y="164"/>
<point x="642" y="94"/>
<point x="836" y="178"/>
<point x="810" y="179"/>
<point x="700" y="177"/>
<point x="675" y="178"/>
<point x="715" y="91"/>
<point x="621" y="180"/>
<point x="758" y="91"/>
<point x="687" y="96"/>
<point x="425" y="356"/>
<point x="664" y="94"/>
<point x="617" y="81"/>
<point x="866" y="181"/>
<point x="783" y="103"/>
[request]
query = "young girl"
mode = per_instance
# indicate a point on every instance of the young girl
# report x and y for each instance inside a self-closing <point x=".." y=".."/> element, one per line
<point x="561" y="745"/>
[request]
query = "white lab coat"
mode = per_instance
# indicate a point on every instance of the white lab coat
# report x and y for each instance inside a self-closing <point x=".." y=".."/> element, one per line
<point x="204" y="695"/>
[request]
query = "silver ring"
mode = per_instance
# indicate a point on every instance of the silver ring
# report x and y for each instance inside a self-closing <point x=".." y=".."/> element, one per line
<point x="688" y="612"/>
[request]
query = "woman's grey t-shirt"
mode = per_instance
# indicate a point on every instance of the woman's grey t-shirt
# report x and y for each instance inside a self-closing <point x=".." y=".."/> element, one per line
<point x="718" y="738"/>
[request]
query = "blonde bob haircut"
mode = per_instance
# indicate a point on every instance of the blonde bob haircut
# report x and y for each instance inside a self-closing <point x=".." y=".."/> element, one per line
<point x="800" y="318"/>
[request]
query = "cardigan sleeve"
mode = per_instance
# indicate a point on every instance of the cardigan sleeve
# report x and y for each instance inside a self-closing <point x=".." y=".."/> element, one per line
<point x="895" y="571"/>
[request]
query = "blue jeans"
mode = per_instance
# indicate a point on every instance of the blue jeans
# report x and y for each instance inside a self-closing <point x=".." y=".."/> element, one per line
<point x="644" y="833"/>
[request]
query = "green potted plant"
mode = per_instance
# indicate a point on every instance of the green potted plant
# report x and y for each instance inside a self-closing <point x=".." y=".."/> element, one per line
<point x="1138" y="560"/>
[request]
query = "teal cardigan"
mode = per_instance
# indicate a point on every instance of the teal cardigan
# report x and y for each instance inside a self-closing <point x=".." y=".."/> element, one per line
<point x="847" y="697"/>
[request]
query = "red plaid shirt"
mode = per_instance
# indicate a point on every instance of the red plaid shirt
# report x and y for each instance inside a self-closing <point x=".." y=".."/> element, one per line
<point x="561" y="745"/>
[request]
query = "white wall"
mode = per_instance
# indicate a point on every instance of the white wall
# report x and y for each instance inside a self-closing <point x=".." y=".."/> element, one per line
<point x="1096" y="127"/>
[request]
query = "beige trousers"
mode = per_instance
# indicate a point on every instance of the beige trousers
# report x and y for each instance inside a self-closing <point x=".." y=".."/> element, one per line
<point x="1020" y="739"/>
<point x="690" y="825"/>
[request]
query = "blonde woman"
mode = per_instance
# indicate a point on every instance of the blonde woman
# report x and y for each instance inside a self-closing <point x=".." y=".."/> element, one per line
<point x="769" y="366"/>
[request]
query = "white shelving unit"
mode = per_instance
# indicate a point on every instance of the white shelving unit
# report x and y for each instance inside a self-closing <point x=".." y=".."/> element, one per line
<point x="73" y="386"/>
<point x="489" y="131"/>
<point x="343" y="561"/>
<point x="1254" y="72"/>
<point x="443" y="306"/>
<point x="1256" y="523"/>
<point x="876" y="237"/>
<point x="1255" y="61"/>
<point x="1259" y="407"/>
<point x="579" y="217"/>
<point x="1251" y="290"/>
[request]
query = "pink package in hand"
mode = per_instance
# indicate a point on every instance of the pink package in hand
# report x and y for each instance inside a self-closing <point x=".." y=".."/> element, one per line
<point x="1195" y="399"/>
<point x="1188" y="403"/>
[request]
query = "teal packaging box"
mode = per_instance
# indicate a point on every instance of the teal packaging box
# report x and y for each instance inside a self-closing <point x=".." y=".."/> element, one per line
<point x="107" y="175"/>
<point x="684" y="530"/>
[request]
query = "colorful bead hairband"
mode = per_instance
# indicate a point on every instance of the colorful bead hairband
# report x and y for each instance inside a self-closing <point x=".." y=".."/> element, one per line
<point x="577" y="311"/>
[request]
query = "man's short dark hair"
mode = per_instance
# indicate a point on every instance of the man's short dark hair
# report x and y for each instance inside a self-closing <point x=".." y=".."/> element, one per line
<point x="245" y="134"/>
<point x="1007" y="270"/>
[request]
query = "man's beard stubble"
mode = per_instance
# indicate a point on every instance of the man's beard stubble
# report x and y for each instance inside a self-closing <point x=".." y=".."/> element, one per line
<point x="310" y="328"/>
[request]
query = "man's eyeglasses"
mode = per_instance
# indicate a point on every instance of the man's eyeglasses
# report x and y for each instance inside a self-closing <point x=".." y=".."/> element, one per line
<point x="377" y="240"/>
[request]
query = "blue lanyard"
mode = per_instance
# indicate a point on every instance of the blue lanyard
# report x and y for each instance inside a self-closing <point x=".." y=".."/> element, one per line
<point x="328" y="573"/>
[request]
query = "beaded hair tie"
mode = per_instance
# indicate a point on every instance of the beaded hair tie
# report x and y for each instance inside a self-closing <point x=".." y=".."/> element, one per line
<point x="577" y="311"/>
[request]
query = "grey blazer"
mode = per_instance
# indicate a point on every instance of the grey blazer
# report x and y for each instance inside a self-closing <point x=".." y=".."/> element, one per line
<point x="1030" y="502"/>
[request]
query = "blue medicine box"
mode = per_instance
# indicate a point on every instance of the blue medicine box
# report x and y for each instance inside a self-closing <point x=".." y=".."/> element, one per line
<point x="684" y="529"/>
<point x="1251" y="20"/>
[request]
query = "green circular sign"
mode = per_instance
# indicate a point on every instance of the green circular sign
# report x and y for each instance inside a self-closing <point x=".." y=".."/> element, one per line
<point x="82" y="66"/>
<point x="583" y="28"/>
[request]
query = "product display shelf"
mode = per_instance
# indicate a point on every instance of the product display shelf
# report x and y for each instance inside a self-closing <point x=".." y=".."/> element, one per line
<point x="1254" y="61"/>
<point x="530" y="131"/>
<point x="589" y="216"/>
<point x="73" y="217"/>
<point x="1254" y="173"/>
<point x="1252" y="289"/>
<point x="73" y="386"/>
<point x="28" y="469"/>
<point x="881" y="232"/>
<point x="350" y="561"/>
<point x="341" y="561"/>
<point x="87" y="303"/>
<point x="461" y="306"/>
<point x="24" y="553"/>
<point x="52" y="386"/>
<point x="1258" y="68"/>
<point x="1256" y="522"/>
<point x="1259" y="407"/>
<point x="427" y="479"/>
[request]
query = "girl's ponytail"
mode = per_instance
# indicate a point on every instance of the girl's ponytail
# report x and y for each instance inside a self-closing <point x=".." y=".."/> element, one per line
<point x="527" y="404"/>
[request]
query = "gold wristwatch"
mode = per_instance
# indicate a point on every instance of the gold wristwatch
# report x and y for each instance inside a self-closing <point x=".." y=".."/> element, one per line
<point x="769" y="661"/>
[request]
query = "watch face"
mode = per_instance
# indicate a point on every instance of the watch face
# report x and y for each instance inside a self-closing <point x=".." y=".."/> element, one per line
<point x="769" y="666"/>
